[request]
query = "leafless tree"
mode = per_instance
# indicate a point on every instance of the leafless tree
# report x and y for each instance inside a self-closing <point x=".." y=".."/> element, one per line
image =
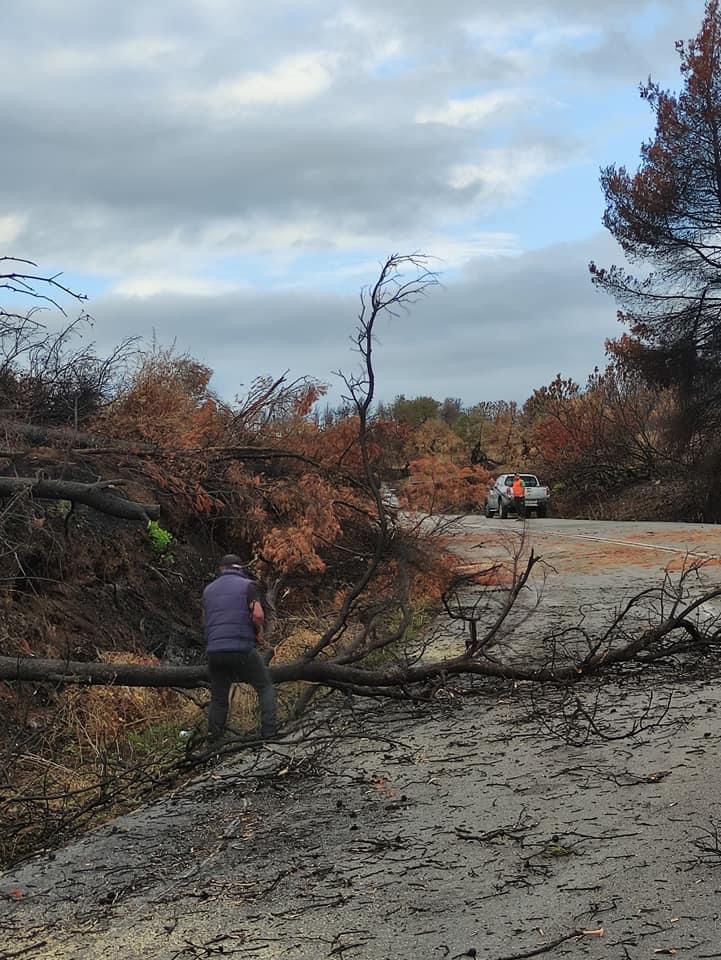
<point x="47" y="374"/>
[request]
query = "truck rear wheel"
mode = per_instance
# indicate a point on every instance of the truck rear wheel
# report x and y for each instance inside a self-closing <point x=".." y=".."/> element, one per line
<point x="541" y="511"/>
<point x="487" y="512"/>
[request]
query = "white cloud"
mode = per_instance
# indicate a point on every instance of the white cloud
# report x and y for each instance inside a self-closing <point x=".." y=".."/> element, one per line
<point x="151" y="285"/>
<point x="137" y="53"/>
<point x="563" y="33"/>
<point x="11" y="225"/>
<point x="370" y="41"/>
<point x="505" y="172"/>
<point x="292" y="80"/>
<point x="474" y="111"/>
<point x="455" y="252"/>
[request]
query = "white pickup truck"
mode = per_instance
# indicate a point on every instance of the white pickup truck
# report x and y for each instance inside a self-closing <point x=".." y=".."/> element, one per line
<point x="500" y="496"/>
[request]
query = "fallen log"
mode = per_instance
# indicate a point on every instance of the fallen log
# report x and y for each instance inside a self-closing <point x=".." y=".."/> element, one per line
<point x="357" y="679"/>
<point x="166" y="675"/>
<point x="95" y="495"/>
<point x="188" y="677"/>
<point x="371" y="681"/>
<point x="101" y="674"/>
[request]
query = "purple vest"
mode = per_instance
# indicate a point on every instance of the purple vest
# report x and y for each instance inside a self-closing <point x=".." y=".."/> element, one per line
<point x="228" y="622"/>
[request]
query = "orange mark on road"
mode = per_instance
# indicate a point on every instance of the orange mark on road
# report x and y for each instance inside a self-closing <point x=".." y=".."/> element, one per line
<point x="682" y="563"/>
<point x="588" y="554"/>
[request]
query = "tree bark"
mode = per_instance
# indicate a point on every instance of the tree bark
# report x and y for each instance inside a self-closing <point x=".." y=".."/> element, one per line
<point x="142" y="675"/>
<point x="324" y="672"/>
<point x="101" y="674"/>
<point x="93" y="495"/>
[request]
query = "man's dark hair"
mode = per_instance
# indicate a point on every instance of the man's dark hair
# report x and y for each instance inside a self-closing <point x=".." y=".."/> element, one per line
<point x="230" y="560"/>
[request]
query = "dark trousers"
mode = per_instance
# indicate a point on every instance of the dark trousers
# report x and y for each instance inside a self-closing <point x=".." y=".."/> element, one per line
<point x="519" y="505"/>
<point x="227" y="668"/>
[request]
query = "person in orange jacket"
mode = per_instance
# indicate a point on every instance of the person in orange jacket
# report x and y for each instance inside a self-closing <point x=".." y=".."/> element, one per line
<point x="519" y="496"/>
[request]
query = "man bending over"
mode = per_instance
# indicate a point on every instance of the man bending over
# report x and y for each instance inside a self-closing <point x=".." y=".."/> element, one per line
<point x="234" y="623"/>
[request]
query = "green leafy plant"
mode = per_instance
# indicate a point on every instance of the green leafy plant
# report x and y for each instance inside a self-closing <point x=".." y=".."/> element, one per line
<point x="160" y="539"/>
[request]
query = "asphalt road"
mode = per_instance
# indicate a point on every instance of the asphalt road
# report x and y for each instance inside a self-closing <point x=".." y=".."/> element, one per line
<point x="596" y="565"/>
<point x="599" y="548"/>
<point x="435" y="831"/>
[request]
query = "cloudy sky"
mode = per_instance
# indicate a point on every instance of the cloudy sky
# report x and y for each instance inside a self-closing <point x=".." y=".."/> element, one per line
<point x="226" y="174"/>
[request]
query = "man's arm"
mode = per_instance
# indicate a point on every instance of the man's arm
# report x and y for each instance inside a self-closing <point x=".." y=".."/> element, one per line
<point x="256" y="614"/>
<point x="258" y="617"/>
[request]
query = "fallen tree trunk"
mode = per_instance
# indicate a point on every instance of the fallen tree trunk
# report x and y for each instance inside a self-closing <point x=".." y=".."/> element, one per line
<point x="644" y="648"/>
<point x="101" y="674"/>
<point x="141" y="675"/>
<point x="93" y="495"/>
<point x="319" y="671"/>
<point x="373" y="682"/>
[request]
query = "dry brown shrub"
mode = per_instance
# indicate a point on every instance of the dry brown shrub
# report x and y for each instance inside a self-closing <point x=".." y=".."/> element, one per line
<point x="168" y="403"/>
<point x="438" y="485"/>
<point x="95" y="717"/>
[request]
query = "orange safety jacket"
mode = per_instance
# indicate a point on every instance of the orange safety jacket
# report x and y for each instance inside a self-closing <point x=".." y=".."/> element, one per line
<point x="519" y="489"/>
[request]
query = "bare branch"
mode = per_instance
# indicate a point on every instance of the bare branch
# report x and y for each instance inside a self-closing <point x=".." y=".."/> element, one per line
<point x="93" y="495"/>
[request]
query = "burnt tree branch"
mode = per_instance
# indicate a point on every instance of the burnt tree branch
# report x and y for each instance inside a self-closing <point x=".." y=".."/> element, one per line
<point x="94" y="495"/>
